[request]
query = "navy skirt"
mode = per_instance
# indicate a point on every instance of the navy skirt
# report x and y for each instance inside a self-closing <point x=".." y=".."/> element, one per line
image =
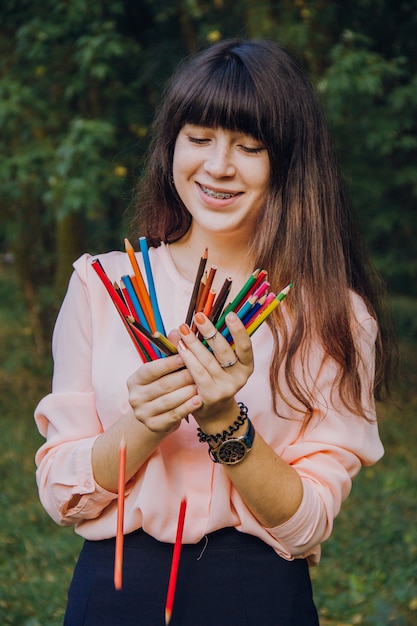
<point x="227" y="579"/>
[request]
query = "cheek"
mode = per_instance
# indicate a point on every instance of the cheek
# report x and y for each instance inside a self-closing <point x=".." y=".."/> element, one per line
<point x="260" y="174"/>
<point x="184" y="156"/>
<point x="183" y="166"/>
<point x="261" y="183"/>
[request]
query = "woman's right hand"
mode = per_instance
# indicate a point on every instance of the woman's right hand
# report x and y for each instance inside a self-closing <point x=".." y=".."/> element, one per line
<point x="162" y="393"/>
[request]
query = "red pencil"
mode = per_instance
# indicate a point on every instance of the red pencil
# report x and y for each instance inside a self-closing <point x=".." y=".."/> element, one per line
<point x="118" y="301"/>
<point x="118" y="557"/>
<point x="175" y="563"/>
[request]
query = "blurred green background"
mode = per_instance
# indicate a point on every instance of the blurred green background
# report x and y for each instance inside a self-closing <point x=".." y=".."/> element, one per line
<point x="79" y="83"/>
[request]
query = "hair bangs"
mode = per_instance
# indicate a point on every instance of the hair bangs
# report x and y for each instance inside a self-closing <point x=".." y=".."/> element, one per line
<point x="223" y="97"/>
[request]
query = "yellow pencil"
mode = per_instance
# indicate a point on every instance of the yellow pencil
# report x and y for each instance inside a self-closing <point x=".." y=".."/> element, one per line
<point x="268" y="310"/>
<point x="165" y="341"/>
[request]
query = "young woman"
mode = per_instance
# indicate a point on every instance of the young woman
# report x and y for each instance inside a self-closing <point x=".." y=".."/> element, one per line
<point x="240" y="164"/>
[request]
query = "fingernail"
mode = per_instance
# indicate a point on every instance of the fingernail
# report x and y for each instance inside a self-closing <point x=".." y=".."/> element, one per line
<point x="200" y="318"/>
<point x="196" y="401"/>
<point x="181" y="345"/>
<point x="231" y="317"/>
<point x="184" y="330"/>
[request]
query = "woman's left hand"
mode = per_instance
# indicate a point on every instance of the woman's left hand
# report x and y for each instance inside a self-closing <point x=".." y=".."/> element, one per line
<point x="218" y="372"/>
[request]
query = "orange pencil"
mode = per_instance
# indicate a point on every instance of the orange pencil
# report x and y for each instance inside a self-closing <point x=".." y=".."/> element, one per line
<point x="209" y="303"/>
<point x="205" y="293"/>
<point x="140" y="286"/>
<point x="118" y="557"/>
<point x="175" y="563"/>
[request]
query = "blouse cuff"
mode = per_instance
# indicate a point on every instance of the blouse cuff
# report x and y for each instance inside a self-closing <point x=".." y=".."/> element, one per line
<point x="306" y="528"/>
<point x="93" y="497"/>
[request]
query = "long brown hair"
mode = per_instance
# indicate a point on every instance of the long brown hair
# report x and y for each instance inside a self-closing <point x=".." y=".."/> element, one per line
<point x="305" y="233"/>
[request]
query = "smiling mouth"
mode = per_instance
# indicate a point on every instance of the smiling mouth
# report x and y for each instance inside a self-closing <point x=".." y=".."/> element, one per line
<point x="219" y="195"/>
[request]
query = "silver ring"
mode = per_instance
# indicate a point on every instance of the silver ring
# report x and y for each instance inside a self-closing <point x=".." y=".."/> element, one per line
<point x="211" y="336"/>
<point x="229" y="363"/>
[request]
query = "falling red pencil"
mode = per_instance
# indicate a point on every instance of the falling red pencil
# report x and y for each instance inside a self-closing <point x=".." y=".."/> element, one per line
<point x="175" y="563"/>
<point x="118" y="557"/>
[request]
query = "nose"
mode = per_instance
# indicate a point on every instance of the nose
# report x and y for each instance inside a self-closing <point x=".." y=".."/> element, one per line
<point x="219" y="162"/>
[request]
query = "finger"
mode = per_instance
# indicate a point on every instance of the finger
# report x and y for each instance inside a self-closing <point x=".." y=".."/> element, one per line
<point x="158" y="387"/>
<point x="241" y="339"/>
<point x="166" y="403"/>
<point x="165" y="413"/>
<point x="174" y="336"/>
<point x="197" y="358"/>
<point x="154" y="370"/>
<point x="222" y="348"/>
<point x="218" y="375"/>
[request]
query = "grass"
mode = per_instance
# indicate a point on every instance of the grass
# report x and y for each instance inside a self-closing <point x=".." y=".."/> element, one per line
<point x="368" y="571"/>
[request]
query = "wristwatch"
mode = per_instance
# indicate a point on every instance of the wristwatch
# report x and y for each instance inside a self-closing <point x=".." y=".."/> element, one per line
<point x="233" y="451"/>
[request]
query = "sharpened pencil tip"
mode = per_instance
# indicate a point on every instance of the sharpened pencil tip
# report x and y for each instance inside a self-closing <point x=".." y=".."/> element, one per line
<point x="168" y="614"/>
<point x="284" y="292"/>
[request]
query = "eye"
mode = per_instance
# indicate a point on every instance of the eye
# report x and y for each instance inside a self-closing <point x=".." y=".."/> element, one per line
<point x="253" y="150"/>
<point x="197" y="140"/>
<point x="250" y="144"/>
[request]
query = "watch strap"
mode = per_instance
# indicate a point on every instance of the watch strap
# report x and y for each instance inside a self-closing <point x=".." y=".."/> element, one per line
<point x="234" y="450"/>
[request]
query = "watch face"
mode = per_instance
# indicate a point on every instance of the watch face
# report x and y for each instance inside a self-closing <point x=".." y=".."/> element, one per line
<point x="231" y="451"/>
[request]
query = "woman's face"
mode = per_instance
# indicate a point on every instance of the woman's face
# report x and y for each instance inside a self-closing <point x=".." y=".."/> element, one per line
<point x="222" y="177"/>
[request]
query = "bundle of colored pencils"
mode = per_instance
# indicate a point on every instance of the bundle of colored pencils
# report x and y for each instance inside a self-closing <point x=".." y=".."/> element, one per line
<point x="253" y="303"/>
<point x="137" y="303"/>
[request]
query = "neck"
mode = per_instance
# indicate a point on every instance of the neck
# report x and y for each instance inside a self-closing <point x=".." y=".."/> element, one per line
<point x="228" y="253"/>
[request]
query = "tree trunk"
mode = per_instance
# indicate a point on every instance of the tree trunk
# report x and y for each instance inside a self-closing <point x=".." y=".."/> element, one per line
<point x="70" y="244"/>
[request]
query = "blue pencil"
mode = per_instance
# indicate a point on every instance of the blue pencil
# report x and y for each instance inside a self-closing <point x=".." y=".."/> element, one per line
<point x="151" y="285"/>
<point x="249" y="314"/>
<point x="244" y="310"/>
<point x="127" y="281"/>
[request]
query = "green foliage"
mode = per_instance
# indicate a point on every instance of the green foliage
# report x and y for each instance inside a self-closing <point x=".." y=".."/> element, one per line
<point x="70" y="93"/>
<point x="368" y="571"/>
<point x="404" y="312"/>
<point x="372" y="106"/>
<point x="37" y="557"/>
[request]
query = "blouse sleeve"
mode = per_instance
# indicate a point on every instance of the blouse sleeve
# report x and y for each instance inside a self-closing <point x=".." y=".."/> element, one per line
<point x="331" y="452"/>
<point x="68" y="417"/>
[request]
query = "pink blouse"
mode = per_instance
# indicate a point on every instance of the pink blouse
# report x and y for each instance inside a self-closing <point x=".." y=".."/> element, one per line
<point x="94" y="356"/>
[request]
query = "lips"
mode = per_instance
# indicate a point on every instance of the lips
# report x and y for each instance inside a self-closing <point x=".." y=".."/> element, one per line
<point x="219" y="195"/>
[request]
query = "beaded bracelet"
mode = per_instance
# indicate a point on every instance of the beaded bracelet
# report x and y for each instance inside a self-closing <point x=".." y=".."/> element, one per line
<point x="220" y="437"/>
